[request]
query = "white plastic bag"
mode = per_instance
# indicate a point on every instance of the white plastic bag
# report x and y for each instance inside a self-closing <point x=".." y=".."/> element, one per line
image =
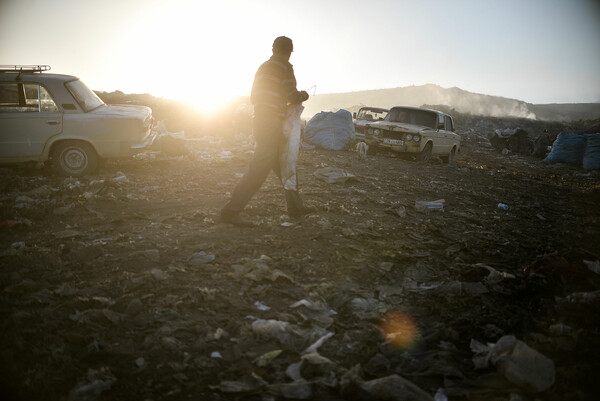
<point x="289" y="155"/>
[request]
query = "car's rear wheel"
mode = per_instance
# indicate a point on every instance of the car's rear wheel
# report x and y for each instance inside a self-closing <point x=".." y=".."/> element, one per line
<point x="450" y="158"/>
<point x="74" y="158"/>
<point x="425" y="155"/>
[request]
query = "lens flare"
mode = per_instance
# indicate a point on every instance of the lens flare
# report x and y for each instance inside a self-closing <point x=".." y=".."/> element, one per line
<point x="399" y="329"/>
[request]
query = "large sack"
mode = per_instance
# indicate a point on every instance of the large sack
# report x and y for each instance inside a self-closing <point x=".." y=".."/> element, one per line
<point x="591" y="157"/>
<point x="568" y="148"/>
<point x="519" y="142"/>
<point x="289" y="155"/>
<point x="334" y="131"/>
<point x="540" y="146"/>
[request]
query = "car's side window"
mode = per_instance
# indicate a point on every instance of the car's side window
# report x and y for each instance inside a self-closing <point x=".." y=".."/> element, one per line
<point x="449" y="126"/>
<point x="25" y="98"/>
<point x="9" y="97"/>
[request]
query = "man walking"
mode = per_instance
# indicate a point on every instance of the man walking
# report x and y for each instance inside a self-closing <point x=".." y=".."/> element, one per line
<point x="273" y="90"/>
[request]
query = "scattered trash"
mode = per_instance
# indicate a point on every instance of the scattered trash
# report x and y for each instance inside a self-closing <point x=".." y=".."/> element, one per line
<point x="271" y="328"/>
<point x="261" y="307"/>
<point x="314" y="347"/>
<point x="558" y="266"/>
<point x="120" y="257"/>
<point x="440" y="395"/>
<point x="9" y="223"/>
<point x="519" y="363"/>
<point x="171" y="144"/>
<point x="93" y="385"/>
<point x="19" y="246"/>
<point x="200" y="258"/>
<point x="393" y="387"/>
<point x="502" y="206"/>
<point x="297" y="390"/>
<point x="494" y="276"/>
<point x="333" y="175"/>
<point x="120" y="178"/>
<point x="266" y="358"/>
<point x="250" y="384"/>
<point x="593" y="265"/>
<point x="425" y="206"/>
<point x="317" y="312"/>
<point x="314" y="365"/>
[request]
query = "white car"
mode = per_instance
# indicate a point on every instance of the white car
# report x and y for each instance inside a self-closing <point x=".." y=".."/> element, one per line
<point x="57" y="117"/>
<point x="366" y="115"/>
<point x="417" y="131"/>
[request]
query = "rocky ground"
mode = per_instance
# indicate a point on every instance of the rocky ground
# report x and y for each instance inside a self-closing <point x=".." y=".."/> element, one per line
<point x="123" y="286"/>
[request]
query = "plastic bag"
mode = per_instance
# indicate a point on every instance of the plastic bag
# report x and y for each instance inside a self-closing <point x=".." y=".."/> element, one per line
<point x="289" y="155"/>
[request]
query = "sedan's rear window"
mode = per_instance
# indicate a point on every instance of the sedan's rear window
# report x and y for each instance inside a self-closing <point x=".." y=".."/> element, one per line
<point x="86" y="98"/>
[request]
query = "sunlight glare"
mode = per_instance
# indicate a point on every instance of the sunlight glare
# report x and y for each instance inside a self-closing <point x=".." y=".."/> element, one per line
<point x="196" y="52"/>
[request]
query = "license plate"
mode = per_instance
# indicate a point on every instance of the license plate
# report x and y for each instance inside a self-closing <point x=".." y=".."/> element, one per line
<point x="393" y="141"/>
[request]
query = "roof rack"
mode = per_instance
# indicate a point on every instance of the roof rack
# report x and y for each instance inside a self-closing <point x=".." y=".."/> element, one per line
<point x="24" y="68"/>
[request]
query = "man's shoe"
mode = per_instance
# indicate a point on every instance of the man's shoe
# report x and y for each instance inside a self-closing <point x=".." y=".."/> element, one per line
<point x="235" y="219"/>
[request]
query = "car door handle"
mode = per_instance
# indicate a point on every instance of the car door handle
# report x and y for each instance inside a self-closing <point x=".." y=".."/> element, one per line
<point x="52" y="122"/>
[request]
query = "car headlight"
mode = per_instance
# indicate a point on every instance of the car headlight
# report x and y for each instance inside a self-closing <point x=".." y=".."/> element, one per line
<point x="376" y="132"/>
<point x="409" y="137"/>
<point x="416" y="138"/>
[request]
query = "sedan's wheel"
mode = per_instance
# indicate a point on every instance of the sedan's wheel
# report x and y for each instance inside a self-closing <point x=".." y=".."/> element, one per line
<point x="425" y="154"/>
<point x="74" y="158"/>
<point x="450" y="158"/>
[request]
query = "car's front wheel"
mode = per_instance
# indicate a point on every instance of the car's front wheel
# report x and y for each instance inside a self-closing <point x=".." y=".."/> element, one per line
<point x="425" y="155"/>
<point x="450" y="158"/>
<point x="74" y="158"/>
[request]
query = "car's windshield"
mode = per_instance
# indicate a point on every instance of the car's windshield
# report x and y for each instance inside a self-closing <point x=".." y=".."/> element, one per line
<point x="413" y="116"/>
<point x="86" y="98"/>
<point x="371" y="114"/>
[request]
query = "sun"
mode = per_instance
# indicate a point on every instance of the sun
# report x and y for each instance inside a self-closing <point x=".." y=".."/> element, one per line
<point x="198" y="61"/>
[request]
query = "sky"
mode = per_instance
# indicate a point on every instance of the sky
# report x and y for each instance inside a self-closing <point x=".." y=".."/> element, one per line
<point x="205" y="52"/>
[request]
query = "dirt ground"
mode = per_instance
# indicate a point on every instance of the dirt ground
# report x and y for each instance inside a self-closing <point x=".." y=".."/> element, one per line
<point x="123" y="285"/>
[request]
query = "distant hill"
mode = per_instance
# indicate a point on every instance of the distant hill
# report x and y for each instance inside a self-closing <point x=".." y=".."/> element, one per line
<point x="455" y="98"/>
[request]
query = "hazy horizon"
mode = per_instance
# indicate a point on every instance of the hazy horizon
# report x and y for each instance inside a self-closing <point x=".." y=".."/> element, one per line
<point x="539" y="51"/>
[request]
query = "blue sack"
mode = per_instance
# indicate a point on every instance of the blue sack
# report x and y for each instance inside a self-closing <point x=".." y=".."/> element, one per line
<point x="591" y="157"/>
<point x="334" y="131"/>
<point x="568" y="148"/>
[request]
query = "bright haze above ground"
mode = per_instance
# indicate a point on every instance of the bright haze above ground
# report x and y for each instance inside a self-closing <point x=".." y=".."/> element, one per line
<point x="206" y="52"/>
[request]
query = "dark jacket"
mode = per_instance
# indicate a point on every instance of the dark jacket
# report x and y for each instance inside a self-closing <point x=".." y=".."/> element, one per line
<point x="274" y="88"/>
